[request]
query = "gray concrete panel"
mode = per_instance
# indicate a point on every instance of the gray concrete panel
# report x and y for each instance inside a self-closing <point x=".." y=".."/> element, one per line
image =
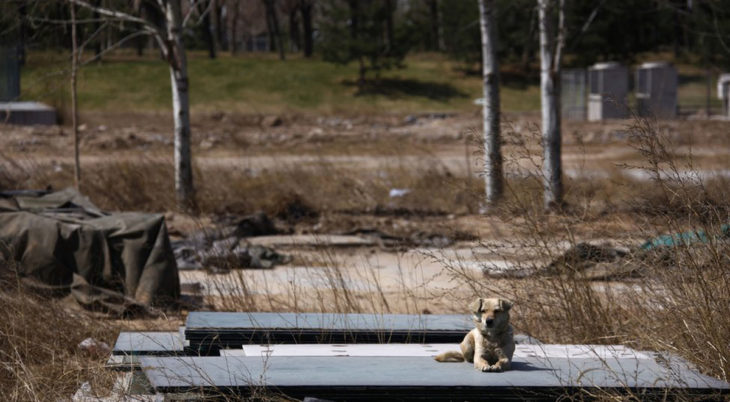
<point x="420" y="377"/>
<point x="27" y="113"/>
<point x="141" y="343"/>
<point x="207" y="332"/>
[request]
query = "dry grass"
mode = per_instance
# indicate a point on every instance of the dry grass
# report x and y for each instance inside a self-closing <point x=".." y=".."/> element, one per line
<point x="680" y="304"/>
<point x="39" y="356"/>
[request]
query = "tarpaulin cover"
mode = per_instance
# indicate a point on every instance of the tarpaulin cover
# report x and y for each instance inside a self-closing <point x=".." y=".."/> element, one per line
<point x="63" y="242"/>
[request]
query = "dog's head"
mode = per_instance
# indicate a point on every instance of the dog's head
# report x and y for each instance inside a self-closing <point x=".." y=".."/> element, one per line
<point x="491" y="314"/>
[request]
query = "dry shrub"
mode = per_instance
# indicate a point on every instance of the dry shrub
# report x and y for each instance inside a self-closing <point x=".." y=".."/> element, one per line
<point x="681" y="301"/>
<point x="39" y="354"/>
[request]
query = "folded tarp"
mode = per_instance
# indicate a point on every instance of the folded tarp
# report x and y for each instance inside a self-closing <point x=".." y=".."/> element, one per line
<point x="62" y="242"/>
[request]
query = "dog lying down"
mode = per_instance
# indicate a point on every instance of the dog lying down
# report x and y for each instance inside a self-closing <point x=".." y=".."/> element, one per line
<point x="491" y="344"/>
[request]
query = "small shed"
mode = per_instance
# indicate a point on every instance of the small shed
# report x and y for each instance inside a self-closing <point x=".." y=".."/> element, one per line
<point x="608" y="85"/>
<point x="723" y="93"/>
<point x="656" y="90"/>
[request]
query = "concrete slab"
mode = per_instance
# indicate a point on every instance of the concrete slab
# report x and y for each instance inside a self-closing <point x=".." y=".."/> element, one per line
<point x="306" y="240"/>
<point x="208" y="331"/>
<point x="149" y="343"/>
<point x="27" y="113"/>
<point x="202" y="320"/>
<point x="419" y="378"/>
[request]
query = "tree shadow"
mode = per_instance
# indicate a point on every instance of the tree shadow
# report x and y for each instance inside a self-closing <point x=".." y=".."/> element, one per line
<point x="400" y="88"/>
<point x="510" y="76"/>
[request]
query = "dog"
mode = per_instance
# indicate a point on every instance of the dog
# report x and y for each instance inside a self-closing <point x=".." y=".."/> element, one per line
<point x="491" y="344"/>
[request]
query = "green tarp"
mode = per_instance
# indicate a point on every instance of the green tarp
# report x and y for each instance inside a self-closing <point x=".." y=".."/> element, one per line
<point x="684" y="238"/>
<point x="62" y="242"/>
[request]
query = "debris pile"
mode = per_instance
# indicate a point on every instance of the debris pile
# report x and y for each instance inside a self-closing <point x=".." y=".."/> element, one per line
<point x="221" y="249"/>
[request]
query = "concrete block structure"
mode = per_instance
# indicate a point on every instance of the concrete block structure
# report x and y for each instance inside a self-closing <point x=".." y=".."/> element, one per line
<point x="608" y="85"/>
<point x="27" y="113"/>
<point x="656" y="90"/>
<point x="723" y="93"/>
<point x="573" y="94"/>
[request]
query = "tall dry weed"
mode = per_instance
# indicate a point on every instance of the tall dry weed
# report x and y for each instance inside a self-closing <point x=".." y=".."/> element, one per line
<point x="39" y="355"/>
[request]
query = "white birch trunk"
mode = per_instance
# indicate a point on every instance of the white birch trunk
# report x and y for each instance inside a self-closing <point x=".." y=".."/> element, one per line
<point x="550" y="104"/>
<point x="180" y="104"/>
<point x="491" y="110"/>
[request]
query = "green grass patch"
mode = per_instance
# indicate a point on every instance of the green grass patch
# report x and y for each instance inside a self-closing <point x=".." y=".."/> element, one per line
<point x="263" y="84"/>
<point x="260" y="83"/>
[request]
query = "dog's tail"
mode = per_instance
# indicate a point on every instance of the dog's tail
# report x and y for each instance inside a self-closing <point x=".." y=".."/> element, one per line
<point x="450" y="357"/>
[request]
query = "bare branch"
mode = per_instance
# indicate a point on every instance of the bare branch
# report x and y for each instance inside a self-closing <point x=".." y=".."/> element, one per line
<point x="92" y="36"/>
<point x="194" y="7"/>
<point x="109" y="13"/>
<point x="717" y="31"/>
<point x="115" y="46"/>
<point x="118" y="15"/>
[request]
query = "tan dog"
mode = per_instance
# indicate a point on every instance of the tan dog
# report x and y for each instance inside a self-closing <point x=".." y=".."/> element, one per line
<point x="491" y="344"/>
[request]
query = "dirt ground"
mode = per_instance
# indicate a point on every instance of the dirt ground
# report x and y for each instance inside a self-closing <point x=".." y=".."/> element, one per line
<point x="467" y="243"/>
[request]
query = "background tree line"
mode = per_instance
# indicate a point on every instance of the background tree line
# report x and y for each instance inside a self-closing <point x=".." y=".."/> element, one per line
<point x="381" y="32"/>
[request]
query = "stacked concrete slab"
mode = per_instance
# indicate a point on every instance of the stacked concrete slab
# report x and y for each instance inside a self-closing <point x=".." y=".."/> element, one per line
<point x="608" y="85"/>
<point x="12" y="111"/>
<point x="392" y="359"/>
<point x="656" y="90"/>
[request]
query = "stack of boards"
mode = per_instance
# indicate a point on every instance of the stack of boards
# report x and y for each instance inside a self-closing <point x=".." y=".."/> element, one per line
<point x="383" y="356"/>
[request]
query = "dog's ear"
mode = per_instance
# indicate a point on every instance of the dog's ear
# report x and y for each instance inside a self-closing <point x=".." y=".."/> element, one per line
<point x="476" y="308"/>
<point x="505" y="305"/>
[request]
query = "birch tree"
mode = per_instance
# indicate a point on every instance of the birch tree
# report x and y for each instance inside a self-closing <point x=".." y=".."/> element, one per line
<point x="552" y="42"/>
<point x="169" y="40"/>
<point x="492" y="142"/>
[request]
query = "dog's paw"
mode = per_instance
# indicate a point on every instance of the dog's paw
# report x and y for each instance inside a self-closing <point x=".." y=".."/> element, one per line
<point x="495" y="368"/>
<point x="483" y="367"/>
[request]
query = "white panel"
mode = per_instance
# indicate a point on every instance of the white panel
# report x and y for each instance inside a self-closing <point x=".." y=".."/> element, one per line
<point x="579" y="351"/>
<point x="418" y="350"/>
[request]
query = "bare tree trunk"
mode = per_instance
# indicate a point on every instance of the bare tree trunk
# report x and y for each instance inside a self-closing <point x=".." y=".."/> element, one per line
<point x="234" y="25"/>
<point x="163" y="20"/>
<point x="97" y="24"/>
<point x="277" y="30"/>
<point x="221" y="11"/>
<point x="550" y="101"/>
<point x="306" y="9"/>
<point x="22" y="21"/>
<point x="389" y="29"/>
<point x="180" y="104"/>
<point x="492" y="141"/>
<point x="74" y="101"/>
<point x="273" y="25"/>
<point x="209" y="28"/>
<point x="708" y="93"/>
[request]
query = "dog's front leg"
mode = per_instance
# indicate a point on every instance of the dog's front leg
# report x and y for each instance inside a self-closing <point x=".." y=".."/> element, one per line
<point x="480" y="363"/>
<point x="503" y="362"/>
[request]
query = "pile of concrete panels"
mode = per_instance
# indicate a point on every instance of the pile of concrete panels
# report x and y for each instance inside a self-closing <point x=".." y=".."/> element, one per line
<point x="382" y="357"/>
